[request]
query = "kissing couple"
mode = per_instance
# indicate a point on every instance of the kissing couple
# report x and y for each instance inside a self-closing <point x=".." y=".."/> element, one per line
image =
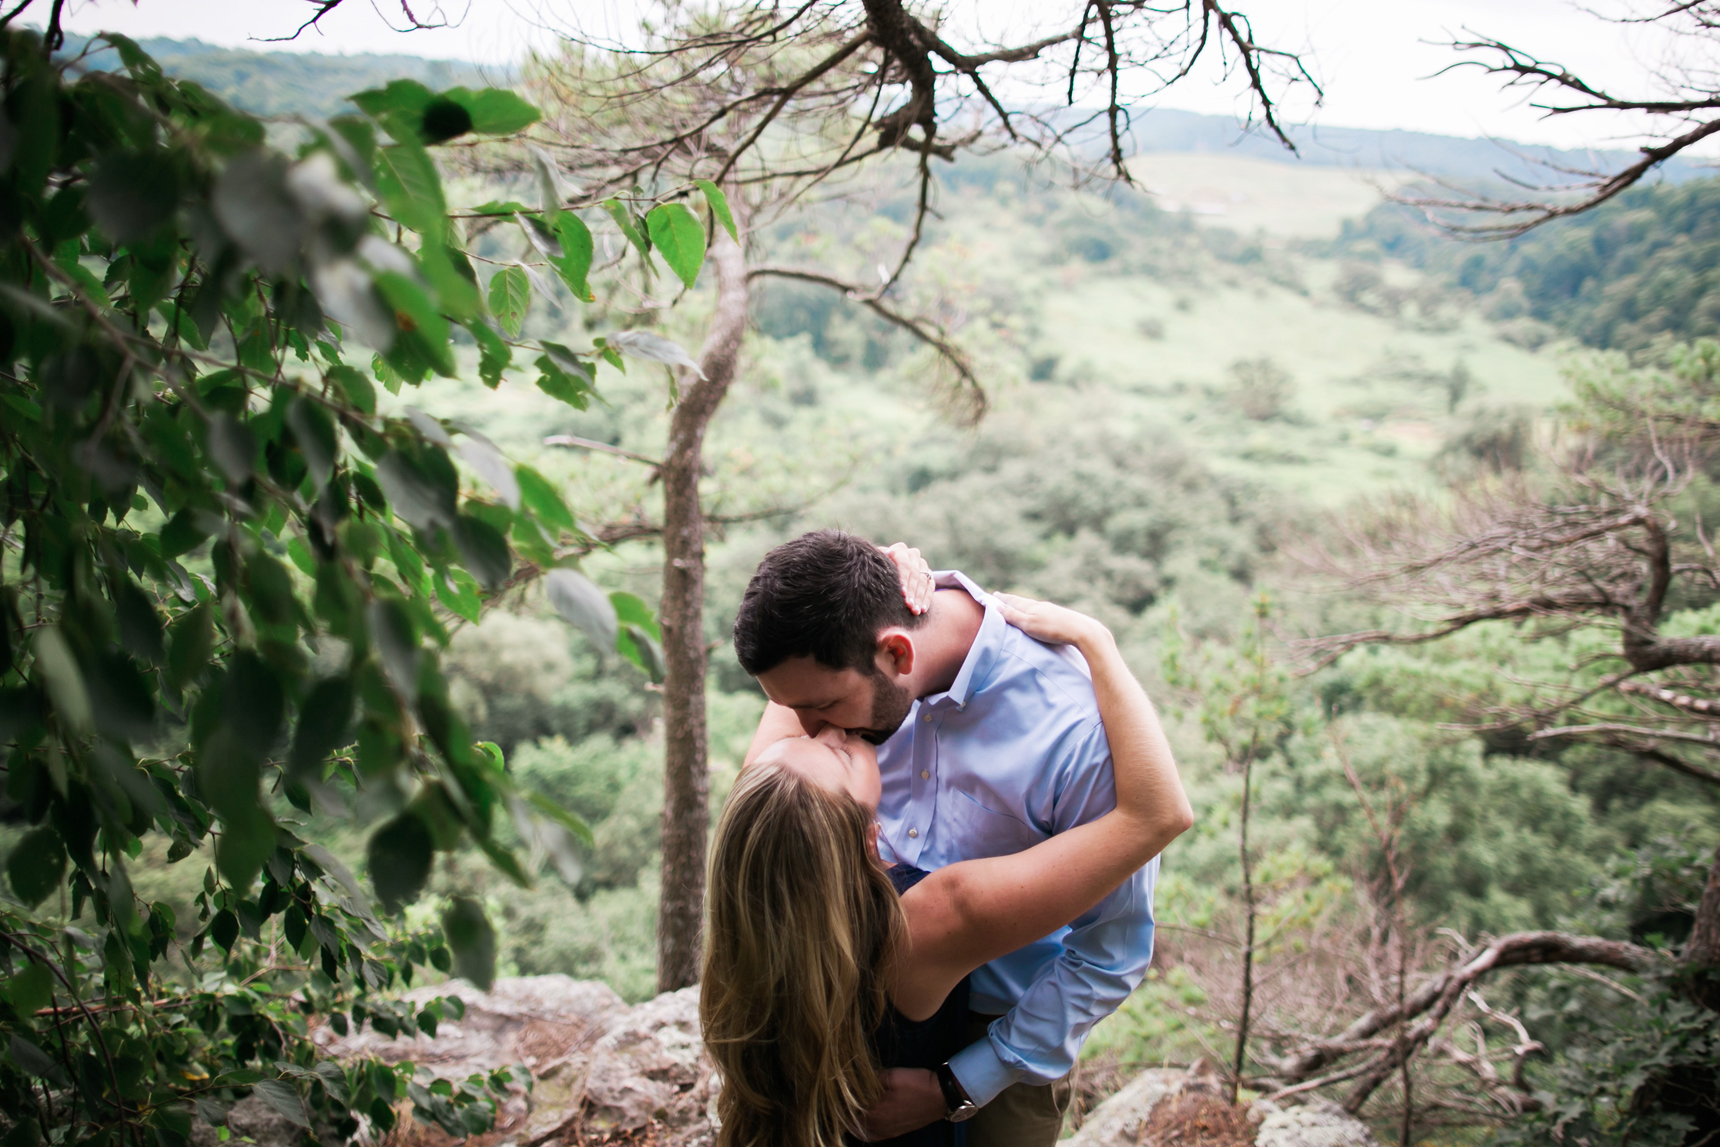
<point x="936" y="870"/>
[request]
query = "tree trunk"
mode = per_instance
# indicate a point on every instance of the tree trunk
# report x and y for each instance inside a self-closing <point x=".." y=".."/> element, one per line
<point x="1702" y="951"/>
<point x="1241" y="1058"/>
<point x="686" y="785"/>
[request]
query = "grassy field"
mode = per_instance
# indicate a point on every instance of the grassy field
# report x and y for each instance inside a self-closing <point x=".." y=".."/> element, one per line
<point x="1281" y="197"/>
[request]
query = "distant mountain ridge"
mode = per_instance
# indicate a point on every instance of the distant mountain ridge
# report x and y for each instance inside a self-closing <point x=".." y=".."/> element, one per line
<point x="1451" y="157"/>
<point x="317" y="83"/>
<point x="273" y="83"/>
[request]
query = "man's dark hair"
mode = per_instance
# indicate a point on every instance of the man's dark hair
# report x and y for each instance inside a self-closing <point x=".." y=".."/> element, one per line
<point x="825" y="595"/>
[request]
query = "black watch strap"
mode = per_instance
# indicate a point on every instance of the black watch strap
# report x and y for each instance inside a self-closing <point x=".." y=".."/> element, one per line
<point x="957" y="1105"/>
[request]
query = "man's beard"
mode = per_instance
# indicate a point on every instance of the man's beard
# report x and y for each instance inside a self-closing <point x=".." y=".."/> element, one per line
<point x="890" y="707"/>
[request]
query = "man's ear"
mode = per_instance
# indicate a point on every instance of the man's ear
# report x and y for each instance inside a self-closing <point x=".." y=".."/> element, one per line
<point x="896" y="652"/>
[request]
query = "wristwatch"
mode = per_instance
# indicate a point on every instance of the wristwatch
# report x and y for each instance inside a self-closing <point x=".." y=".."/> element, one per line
<point x="958" y="1108"/>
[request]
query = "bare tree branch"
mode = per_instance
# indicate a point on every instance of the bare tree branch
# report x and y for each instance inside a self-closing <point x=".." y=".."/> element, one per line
<point x="1557" y="92"/>
<point x="948" y="351"/>
<point x="1432" y="1001"/>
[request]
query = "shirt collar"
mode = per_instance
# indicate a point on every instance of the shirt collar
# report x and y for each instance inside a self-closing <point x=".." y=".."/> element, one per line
<point x="982" y="654"/>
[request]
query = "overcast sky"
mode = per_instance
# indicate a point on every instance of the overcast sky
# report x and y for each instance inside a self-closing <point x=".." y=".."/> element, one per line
<point x="1375" y="58"/>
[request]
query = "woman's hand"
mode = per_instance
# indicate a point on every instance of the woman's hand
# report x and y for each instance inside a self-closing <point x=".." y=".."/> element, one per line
<point x="916" y="576"/>
<point x="1052" y="624"/>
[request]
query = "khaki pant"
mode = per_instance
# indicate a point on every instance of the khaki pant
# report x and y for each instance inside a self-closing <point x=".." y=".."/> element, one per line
<point x="1024" y="1115"/>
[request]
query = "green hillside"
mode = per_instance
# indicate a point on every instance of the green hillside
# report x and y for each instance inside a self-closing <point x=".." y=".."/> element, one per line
<point x="1185" y="381"/>
<point x="1642" y="269"/>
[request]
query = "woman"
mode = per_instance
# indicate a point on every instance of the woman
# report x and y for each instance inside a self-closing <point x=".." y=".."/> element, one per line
<point x="814" y="958"/>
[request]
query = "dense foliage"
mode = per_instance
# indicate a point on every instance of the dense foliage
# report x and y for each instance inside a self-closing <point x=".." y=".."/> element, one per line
<point x="1642" y="268"/>
<point x="227" y="576"/>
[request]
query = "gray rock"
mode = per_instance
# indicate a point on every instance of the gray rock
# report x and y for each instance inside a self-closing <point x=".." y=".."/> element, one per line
<point x="535" y="1020"/>
<point x="650" y="1067"/>
<point x="1319" y="1123"/>
<point x="253" y="1120"/>
<point x="596" y="1063"/>
<point x="1119" y="1120"/>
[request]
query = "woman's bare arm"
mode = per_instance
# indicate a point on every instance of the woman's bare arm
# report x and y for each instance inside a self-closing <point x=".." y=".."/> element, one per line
<point x="970" y="913"/>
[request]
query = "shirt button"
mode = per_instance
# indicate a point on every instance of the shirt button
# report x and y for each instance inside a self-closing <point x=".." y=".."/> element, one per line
<point x="925" y="774"/>
<point x="927" y="717"/>
<point x="913" y="832"/>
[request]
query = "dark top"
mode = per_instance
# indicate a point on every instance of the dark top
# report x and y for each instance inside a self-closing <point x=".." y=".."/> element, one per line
<point x="902" y="1042"/>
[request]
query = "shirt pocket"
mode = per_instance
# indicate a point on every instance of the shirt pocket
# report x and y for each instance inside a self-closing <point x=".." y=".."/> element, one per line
<point x="975" y="831"/>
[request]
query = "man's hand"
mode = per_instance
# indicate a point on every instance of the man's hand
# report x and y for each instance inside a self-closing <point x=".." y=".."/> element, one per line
<point x="911" y="1100"/>
<point x="916" y="575"/>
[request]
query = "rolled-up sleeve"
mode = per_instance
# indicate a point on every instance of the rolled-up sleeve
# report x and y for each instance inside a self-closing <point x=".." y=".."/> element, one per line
<point x="1104" y="958"/>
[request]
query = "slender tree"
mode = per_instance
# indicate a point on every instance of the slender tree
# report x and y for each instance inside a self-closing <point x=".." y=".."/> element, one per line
<point x="778" y="105"/>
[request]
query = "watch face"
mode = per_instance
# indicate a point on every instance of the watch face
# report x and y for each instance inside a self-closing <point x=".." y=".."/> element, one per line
<point x="963" y="1113"/>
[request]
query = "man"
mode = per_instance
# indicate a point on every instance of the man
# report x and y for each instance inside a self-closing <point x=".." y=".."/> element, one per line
<point x="989" y="742"/>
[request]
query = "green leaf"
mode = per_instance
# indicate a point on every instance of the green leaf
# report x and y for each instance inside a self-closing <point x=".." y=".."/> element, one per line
<point x="560" y="816"/>
<point x="191" y="642"/>
<point x="253" y="704"/>
<point x="644" y="344"/>
<point x="510" y="298"/>
<point x="495" y="111"/>
<point x="315" y="437"/>
<point x="582" y="604"/>
<point x="575" y="262"/>
<point x="494" y="355"/>
<point x="65" y="681"/>
<point x="32" y="989"/>
<point x="325" y="724"/>
<point x="232" y="447"/>
<point x="419" y="320"/>
<point x="284" y="1100"/>
<point x="258" y="212"/>
<point x="484" y="551"/>
<point x="36" y="864"/>
<point x="482" y="455"/>
<point x="410" y="188"/>
<point x="32" y="1060"/>
<point x="564" y="376"/>
<point x="543" y="499"/>
<point x="643" y="650"/>
<point x="501" y="207"/>
<point x="443" y="119"/>
<point x="121" y="700"/>
<point x="632" y="610"/>
<point x="472" y="940"/>
<point x="355" y="386"/>
<point x="719" y="205"/>
<point x="450" y="272"/>
<point x="396" y="641"/>
<point x="459" y="592"/>
<point x="624" y="219"/>
<point x="405" y="99"/>
<point x="139" y="622"/>
<point x="132" y="193"/>
<point x="416" y="496"/>
<point x="680" y="238"/>
<point x="224" y="929"/>
<point x="400" y="854"/>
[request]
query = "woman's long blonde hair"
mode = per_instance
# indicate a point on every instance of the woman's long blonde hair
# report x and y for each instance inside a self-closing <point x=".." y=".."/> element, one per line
<point x="803" y="922"/>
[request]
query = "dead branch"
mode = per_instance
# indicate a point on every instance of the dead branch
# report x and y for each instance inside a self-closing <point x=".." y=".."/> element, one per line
<point x="577" y="443"/>
<point x="920" y="328"/>
<point x="1681" y="701"/>
<point x="1557" y="91"/>
<point x="1433" y="1000"/>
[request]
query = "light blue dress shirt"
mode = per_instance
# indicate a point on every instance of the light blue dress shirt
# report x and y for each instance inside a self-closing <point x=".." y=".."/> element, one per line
<point x="1014" y="752"/>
